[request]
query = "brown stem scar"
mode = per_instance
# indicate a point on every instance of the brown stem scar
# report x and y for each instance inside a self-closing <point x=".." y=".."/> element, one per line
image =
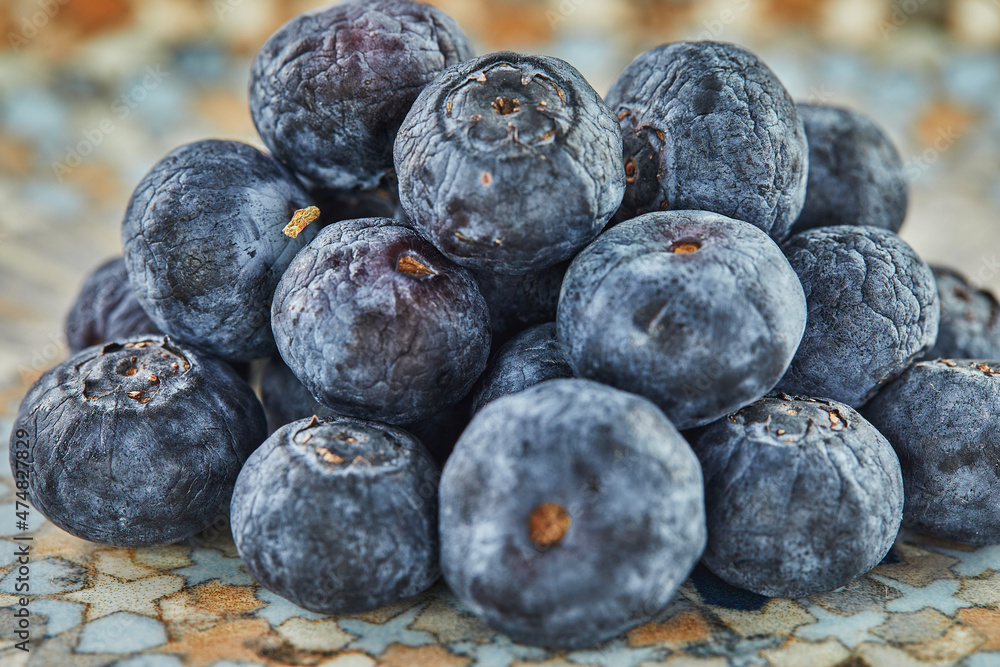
<point x="630" y="170"/>
<point x="300" y="220"/>
<point x="685" y="247"/>
<point x="548" y="524"/>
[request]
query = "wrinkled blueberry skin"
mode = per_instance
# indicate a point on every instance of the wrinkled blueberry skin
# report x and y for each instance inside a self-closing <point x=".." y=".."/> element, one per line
<point x="339" y="515"/>
<point x="970" y="319"/>
<point x="708" y="126"/>
<point x="330" y="88"/>
<point x="285" y="399"/>
<point x="531" y="357"/>
<point x="118" y="457"/>
<point x="802" y="495"/>
<point x="632" y="489"/>
<point x="855" y="173"/>
<point x="204" y="246"/>
<point x="940" y="416"/>
<point x="517" y="302"/>
<point x="700" y="333"/>
<point x="509" y="163"/>
<point x="105" y="309"/>
<point x="377" y="324"/>
<point x="873" y="309"/>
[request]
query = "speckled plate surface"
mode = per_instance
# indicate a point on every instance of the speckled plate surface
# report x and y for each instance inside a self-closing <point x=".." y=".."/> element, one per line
<point x="93" y="92"/>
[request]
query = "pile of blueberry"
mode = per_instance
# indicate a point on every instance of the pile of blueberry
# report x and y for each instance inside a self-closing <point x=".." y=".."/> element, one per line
<point x="674" y="324"/>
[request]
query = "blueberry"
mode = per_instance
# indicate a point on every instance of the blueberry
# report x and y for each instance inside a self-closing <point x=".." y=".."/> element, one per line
<point x="135" y="443"/>
<point x="873" y="308"/>
<point x="802" y="495"/>
<point x="439" y="432"/>
<point x="509" y="163"/>
<point x="204" y="246"/>
<point x="517" y="302"/>
<point x="379" y="325"/>
<point x="855" y="173"/>
<point x="339" y="205"/>
<point x="329" y="89"/>
<point x="940" y="416"/>
<point x="570" y="512"/>
<point x="707" y="125"/>
<point x="695" y="311"/>
<point x="105" y="309"/>
<point x="286" y="399"/>
<point x="970" y="319"/>
<point x="338" y="515"/>
<point x="533" y="356"/>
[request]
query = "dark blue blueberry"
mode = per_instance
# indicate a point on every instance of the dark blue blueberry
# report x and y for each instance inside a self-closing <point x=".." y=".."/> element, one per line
<point x="570" y="512"/>
<point x="970" y="319"/>
<point x="873" y="308"/>
<point x="204" y="245"/>
<point x="801" y="496"/>
<point x="708" y="126"/>
<point x="135" y="443"/>
<point x="439" y="433"/>
<point x="329" y="89"/>
<point x="339" y="205"/>
<point x="338" y="515"/>
<point x="517" y="302"/>
<point x="509" y="163"/>
<point x="940" y="416"/>
<point x="378" y="324"/>
<point x="286" y="399"/>
<point x="855" y="173"/>
<point x="697" y="312"/>
<point x="105" y="309"/>
<point x="532" y="356"/>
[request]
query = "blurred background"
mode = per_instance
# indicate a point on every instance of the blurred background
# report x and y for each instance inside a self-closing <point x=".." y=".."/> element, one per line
<point x="93" y="92"/>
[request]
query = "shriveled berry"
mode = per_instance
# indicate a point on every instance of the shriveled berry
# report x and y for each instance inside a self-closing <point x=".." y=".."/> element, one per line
<point x="801" y="496"/>
<point x="509" y="163"/>
<point x="377" y="324"/>
<point x="204" y="246"/>
<point x="708" y="126"/>
<point x="329" y="89"/>
<point x="339" y="515"/>
<point x="135" y="443"/>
